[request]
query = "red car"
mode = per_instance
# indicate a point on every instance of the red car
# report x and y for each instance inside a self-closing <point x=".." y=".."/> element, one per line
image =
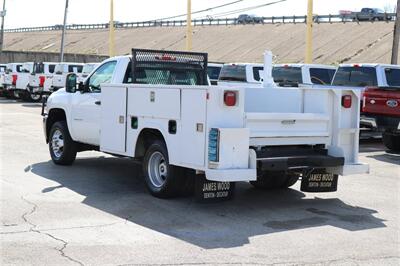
<point x="381" y="105"/>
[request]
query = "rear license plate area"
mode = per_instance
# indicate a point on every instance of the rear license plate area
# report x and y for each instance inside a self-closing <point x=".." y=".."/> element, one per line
<point x="319" y="181"/>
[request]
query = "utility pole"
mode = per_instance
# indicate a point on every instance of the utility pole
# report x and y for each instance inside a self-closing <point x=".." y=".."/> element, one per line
<point x="309" y="38"/>
<point x="189" y="31"/>
<point x="111" y="41"/>
<point x="396" y="36"/>
<point x="3" y="14"/>
<point x="63" y="32"/>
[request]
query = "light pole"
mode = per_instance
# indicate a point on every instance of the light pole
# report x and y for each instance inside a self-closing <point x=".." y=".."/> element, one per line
<point x="309" y="38"/>
<point x="63" y="32"/>
<point x="3" y="14"/>
<point x="396" y="36"/>
<point x="189" y="32"/>
<point x="111" y="37"/>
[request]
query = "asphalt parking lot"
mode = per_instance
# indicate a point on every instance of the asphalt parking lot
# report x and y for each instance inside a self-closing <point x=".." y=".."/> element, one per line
<point x="98" y="212"/>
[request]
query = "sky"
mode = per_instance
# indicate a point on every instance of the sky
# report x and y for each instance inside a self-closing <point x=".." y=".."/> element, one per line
<point x="31" y="13"/>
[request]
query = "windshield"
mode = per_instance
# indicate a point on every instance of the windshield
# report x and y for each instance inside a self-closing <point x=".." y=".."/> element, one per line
<point x="213" y="72"/>
<point x="167" y="76"/>
<point x="38" y="68"/>
<point x="355" y="77"/>
<point x="321" y="76"/>
<point x="393" y="77"/>
<point x="287" y="75"/>
<point x="233" y="73"/>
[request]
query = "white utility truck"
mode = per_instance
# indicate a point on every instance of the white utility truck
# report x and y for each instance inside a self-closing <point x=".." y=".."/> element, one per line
<point x="157" y="107"/>
<point x="41" y="80"/>
<point x="289" y="75"/>
<point x="61" y="71"/>
<point x="10" y="79"/>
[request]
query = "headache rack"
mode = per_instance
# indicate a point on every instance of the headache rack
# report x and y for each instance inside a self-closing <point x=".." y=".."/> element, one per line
<point x="161" y="62"/>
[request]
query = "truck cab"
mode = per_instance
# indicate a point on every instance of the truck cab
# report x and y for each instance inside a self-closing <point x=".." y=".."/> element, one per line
<point x="61" y="71"/>
<point x="158" y="108"/>
<point x="295" y="74"/>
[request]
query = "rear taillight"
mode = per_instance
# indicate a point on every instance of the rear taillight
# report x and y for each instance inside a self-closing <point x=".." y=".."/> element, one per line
<point x="41" y="81"/>
<point x="213" y="145"/>
<point x="230" y="98"/>
<point x="14" y="79"/>
<point x="346" y="101"/>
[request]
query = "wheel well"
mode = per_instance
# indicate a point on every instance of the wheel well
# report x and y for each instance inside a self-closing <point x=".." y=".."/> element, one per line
<point x="55" y="115"/>
<point x="145" y="139"/>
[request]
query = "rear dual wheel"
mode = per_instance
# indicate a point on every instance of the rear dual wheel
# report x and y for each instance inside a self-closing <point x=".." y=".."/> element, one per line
<point x="162" y="179"/>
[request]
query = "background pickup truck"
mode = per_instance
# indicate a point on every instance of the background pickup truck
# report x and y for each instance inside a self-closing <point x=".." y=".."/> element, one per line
<point x="41" y="79"/>
<point x="289" y="75"/>
<point x="241" y="74"/>
<point x="157" y="107"/>
<point x="381" y="107"/>
<point x="362" y="76"/>
<point x="373" y="14"/>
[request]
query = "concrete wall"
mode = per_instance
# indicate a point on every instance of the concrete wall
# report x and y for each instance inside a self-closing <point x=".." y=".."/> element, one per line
<point x="333" y="43"/>
<point x="19" y="56"/>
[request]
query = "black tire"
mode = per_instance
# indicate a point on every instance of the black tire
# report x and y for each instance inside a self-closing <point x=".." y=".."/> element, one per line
<point x="30" y="97"/>
<point x="171" y="178"/>
<point x="66" y="154"/>
<point x="270" y="180"/>
<point x="391" y="141"/>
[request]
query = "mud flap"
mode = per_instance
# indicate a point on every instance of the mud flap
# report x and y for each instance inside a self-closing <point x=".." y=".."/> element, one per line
<point x="210" y="191"/>
<point x="318" y="181"/>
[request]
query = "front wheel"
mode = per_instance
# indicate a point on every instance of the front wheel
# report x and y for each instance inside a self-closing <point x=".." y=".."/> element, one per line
<point x="61" y="146"/>
<point x="162" y="179"/>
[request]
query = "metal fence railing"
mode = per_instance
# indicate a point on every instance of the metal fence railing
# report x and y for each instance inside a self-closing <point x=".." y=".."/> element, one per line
<point x="354" y="17"/>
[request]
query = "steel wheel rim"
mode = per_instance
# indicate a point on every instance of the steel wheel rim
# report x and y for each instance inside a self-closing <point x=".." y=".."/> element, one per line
<point x="57" y="143"/>
<point x="157" y="169"/>
<point x="35" y="97"/>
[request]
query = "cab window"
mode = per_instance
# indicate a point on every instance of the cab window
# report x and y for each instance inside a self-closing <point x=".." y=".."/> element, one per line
<point x="321" y="76"/>
<point x="355" y="77"/>
<point x="393" y="77"/>
<point x="102" y="75"/>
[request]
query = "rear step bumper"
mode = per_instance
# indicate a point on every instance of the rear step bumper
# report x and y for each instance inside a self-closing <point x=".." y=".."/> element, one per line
<point x="298" y="162"/>
<point x="299" y="158"/>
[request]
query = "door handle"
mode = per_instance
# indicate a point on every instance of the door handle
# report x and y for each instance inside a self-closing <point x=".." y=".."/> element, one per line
<point x="97" y="102"/>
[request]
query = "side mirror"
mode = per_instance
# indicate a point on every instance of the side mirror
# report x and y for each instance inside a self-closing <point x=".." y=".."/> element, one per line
<point x="70" y="83"/>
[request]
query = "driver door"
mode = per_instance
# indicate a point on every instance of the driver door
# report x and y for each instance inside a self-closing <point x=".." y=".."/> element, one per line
<point x="86" y="106"/>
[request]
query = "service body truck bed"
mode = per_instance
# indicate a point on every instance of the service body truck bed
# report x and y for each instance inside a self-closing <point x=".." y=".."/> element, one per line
<point x="223" y="134"/>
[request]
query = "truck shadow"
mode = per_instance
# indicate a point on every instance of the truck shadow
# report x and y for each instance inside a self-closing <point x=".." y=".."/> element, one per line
<point x="114" y="186"/>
